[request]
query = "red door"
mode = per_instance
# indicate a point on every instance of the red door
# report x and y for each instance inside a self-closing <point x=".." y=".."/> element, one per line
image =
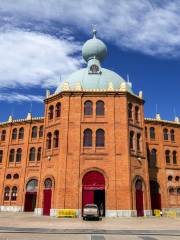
<point x="47" y="201"/>
<point x="88" y="197"/>
<point x="30" y="201"/>
<point x="139" y="203"/>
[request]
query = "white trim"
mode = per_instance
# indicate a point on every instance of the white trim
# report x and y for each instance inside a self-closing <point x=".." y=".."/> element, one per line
<point x="38" y="211"/>
<point x="12" y="208"/>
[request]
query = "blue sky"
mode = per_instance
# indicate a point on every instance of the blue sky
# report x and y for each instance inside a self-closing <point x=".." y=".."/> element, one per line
<point x="41" y="40"/>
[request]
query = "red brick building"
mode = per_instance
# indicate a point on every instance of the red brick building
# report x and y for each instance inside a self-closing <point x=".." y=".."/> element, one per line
<point x="93" y="145"/>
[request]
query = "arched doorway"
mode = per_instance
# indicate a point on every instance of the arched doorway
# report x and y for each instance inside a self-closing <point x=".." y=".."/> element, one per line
<point x="93" y="190"/>
<point x="155" y="195"/>
<point x="30" y="196"/>
<point x="47" y="194"/>
<point x="139" y="198"/>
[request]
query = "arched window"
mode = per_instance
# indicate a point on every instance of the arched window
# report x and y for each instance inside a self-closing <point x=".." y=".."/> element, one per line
<point x="88" y="108"/>
<point x="58" y="109"/>
<point x="153" y="157"/>
<point x="32" y="154"/>
<point x="48" y="183"/>
<point x="131" y="137"/>
<point x="167" y="153"/>
<point x="14" y="133"/>
<point x="34" y="132"/>
<point x="21" y="133"/>
<point x="130" y="110"/>
<point x="51" y="112"/>
<point x="39" y="154"/>
<point x="138" y="142"/>
<point x="171" y="190"/>
<point x="146" y="134"/>
<point x="41" y="129"/>
<point x="99" y="108"/>
<point x="165" y="132"/>
<point x="14" y="193"/>
<point x="11" y="155"/>
<point x="1" y="156"/>
<point x="174" y="157"/>
<point x="152" y="133"/>
<point x="48" y="140"/>
<point x="87" y="140"/>
<point x="137" y="114"/>
<point x="3" y="135"/>
<point x="16" y="176"/>
<point x="32" y="185"/>
<point x="18" y="155"/>
<point x="177" y="178"/>
<point x="6" y="193"/>
<point x="172" y="135"/>
<point x="8" y="176"/>
<point x="100" y="138"/>
<point x="56" y="139"/>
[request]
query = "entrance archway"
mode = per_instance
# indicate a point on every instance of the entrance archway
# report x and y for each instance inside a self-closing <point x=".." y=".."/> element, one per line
<point x="139" y="198"/>
<point x="155" y="195"/>
<point x="93" y="190"/>
<point x="47" y="195"/>
<point x="31" y="195"/>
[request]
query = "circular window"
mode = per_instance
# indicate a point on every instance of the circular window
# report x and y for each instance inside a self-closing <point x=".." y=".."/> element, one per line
<point x="177" y="178"/>
<point x="170" y="178"/>
<point x="16" y="176"/>
<point x="8" y="176"/>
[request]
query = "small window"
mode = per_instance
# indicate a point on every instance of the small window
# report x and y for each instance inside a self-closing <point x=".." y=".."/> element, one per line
<point x="3" y="135"/>
<point x="8" y="176"/>
<point x="171" y="190"/>
<point x="51" y="112"/>
<point x="137" y="114"/>
<point x="172" y="135"/>
<point x="167" y="153"/>
<point x="6" y="193"/>
<point x="21" y="133"/>
<point x="56" y="139"/>
<point x="39" y="154"/>
<point x="14" y="194"/>
<point x="100" y="138"/>
<point x="16" y="176"/>
<point x="131" y="140"/>
<point x="165" y="132"/>
<point x="178" y="191"/>
<point x="34" y="132"/>
<point x="88" y="108"/>
<point x="48" y="140"/>
<point x="153" y="157"/>
<point x="58" y="109"/>
<point x="11" y="155"/>
<point x="1" y="156"/>
<point x="170" y="178"/>
<point x="87" y="141"/>
<point x="99" y="108"/>
<point x="177" y="178"/>
<point x="19" y="155"/>
<point x="130" y="110"/>
<point x="146" y="133"/>
<point x="41" y="130"/>
<point x="152" y="133"/>
<point x="174" y="157"/>
<point x="32" y="154"/>
<point x="14" y="134"/>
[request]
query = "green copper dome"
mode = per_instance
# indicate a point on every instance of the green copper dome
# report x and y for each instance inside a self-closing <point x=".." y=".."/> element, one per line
<point x="94" y="77"/>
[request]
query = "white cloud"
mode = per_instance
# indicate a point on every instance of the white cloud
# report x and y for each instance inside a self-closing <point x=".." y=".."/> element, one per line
<point x="35" y="59"/>
<point x="147" y="26"/>
<point x="16" y="97"/>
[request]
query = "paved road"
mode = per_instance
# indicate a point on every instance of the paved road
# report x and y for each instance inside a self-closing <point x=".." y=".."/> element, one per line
<point x="31" y="236"/>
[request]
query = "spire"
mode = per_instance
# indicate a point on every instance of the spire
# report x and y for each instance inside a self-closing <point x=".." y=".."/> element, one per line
<point x="94" y="30"/>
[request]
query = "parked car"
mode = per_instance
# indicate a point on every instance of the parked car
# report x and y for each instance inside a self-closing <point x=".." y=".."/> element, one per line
<point x="90" y="211"/>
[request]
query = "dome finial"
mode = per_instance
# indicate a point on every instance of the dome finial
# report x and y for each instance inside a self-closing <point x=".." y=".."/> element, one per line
<point x="94" y="30"/>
